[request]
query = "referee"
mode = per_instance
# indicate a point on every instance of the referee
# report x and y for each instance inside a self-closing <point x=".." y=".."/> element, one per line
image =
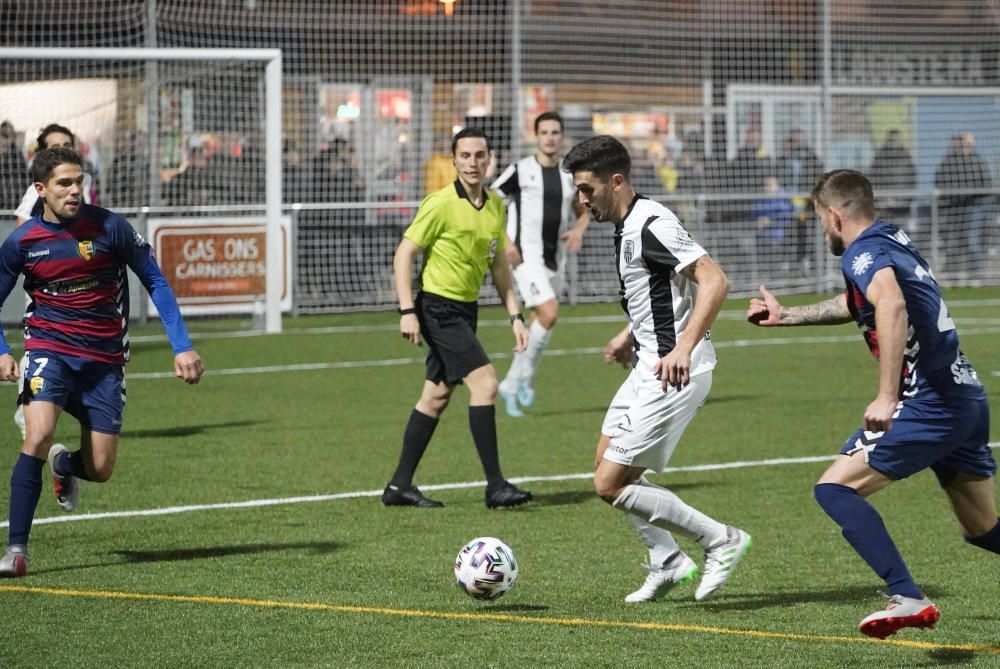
<point x="460" y="231"/>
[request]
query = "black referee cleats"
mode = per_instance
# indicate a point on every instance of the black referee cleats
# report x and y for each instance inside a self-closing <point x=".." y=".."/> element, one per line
<point x="506" y="494"/>
<point x="395" y="496"/>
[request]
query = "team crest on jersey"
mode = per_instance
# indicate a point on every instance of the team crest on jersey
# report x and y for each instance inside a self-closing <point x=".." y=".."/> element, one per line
<point x="628" y="250"/>
<point x="37" y="384"/>
<point x="85" y="250"/>
<point x="861" y="263"/>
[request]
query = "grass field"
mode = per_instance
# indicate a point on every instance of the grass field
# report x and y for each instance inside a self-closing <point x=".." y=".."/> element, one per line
<point x="243" y="527"/>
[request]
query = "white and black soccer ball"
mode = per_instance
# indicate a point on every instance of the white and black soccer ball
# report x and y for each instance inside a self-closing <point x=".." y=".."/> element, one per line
<point x="486" y="568"/>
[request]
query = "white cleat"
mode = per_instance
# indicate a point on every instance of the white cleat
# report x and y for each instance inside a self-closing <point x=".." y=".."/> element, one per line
<point x="721" y="561"/>
<point x="901" y="612"/>
<point x="14" y="562"/>
<point x="67" y="488"/>
<point x="661" y="581"/>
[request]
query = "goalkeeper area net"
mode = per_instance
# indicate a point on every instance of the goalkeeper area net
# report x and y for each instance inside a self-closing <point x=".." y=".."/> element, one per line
<point x="730" y="109"/>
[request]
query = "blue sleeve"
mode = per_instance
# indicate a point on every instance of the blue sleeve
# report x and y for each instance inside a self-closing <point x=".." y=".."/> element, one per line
<point x="138" y="254"/>
<point x="860" y="264"/>
<point x="11" y="264"/>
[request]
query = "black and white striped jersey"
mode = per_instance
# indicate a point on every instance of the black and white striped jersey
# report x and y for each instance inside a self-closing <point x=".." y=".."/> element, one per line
<point x="652" y="248"/>
<point x="539" y="208"/>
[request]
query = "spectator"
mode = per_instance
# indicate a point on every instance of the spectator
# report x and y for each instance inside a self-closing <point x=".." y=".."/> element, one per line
<point x="772" y="216"/>
<point x="13" y="168"/>
<point x="750" y="166"/>
<point x="965" y="214"/>
<point x="798" y="169"/>
<point x="128" y="175"/>
<point x="893" y="169"/>
<point x="295" y="176"/>
<point x="197" y="185"/>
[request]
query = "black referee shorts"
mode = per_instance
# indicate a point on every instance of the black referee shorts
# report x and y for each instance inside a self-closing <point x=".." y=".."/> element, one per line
<point x="449" y="328"/>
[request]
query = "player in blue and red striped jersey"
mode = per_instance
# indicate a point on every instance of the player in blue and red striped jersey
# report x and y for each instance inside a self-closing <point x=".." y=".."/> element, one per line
<point x="931" y="411"/>
<point x="74" y="258"/>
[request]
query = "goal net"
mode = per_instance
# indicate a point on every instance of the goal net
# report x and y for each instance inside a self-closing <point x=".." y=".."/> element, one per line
<point x="730" y="109"/>
<point x="176" y="140"/>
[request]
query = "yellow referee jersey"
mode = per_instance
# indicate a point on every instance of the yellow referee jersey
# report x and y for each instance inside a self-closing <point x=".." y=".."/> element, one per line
<point x="459" y="241"/>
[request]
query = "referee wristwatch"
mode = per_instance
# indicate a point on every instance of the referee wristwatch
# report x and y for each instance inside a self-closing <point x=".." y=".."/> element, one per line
<point x="517" y="317"/>
<point x="408" y="310"/>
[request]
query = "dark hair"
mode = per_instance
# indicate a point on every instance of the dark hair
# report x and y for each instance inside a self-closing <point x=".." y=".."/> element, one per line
<point x="847" y="190"/>
<point x="603" y="155"/>
<point x="43" y="137"/>
<point x="47" y="160"/>
<point x="468" y="132"/>
<point x="548" y="116"/>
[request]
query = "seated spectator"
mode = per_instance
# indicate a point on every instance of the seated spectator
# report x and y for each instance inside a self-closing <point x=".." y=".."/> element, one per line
<point x="772" y="216"/>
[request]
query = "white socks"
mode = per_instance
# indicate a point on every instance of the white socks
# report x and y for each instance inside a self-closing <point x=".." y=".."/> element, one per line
<point x="667" y="511"/>
<point x="538" y="339"/>
<point x="525" y="364"/>
<point x="662" y="547"/>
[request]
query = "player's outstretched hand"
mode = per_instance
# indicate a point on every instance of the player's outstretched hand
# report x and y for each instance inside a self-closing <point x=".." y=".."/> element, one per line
<point x="573" y="240"/>
<point x="8" y="368"/>
<point x="765" y="312"/>
<point x="188" y="366"/>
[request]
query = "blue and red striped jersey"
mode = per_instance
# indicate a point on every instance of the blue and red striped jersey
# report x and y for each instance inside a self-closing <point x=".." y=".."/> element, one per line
<point x="75" y="277"/>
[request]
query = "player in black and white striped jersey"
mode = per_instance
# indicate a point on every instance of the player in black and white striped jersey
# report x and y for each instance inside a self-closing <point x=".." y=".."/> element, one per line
<point x="671" y="293"/>
<point x="544" y="222"/>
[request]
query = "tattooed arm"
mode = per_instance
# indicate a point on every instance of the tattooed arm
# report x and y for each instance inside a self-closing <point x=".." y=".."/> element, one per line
<point x="768" y="312"/>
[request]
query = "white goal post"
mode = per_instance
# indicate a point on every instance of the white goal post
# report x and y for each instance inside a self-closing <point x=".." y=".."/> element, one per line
<point x="271" y="58"/>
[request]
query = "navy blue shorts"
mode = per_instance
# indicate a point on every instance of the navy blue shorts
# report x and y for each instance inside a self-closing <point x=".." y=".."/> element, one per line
<point x="91" y="391"/>
<point x="449" y="327"/>
<point x="930" y="433"/>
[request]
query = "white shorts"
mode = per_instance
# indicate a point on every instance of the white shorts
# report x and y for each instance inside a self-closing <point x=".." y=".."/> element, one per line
<point x="645" y="423"/>
<point x="538" y="284"/>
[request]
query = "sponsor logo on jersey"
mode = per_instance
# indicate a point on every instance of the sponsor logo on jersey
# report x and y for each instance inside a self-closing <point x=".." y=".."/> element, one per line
<point x="37" y="384"/>
<point x="628" y="250"/>
<point x="85" y="250"/>
<point x="861" y="263"/>
<point x="139" y="241"/>
<point x="38" y="254"/>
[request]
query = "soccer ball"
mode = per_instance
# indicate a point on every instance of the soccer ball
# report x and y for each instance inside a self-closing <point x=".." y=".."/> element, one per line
<point x="486" y="568"/>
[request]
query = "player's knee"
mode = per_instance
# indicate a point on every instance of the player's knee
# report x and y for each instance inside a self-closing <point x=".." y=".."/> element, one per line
<point x="101" y="470"/>
<point x="829" y="495"/>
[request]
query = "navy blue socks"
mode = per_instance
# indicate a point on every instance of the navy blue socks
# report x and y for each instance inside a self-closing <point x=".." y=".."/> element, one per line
<point x="863" y="528"/>
<point x="70" y="463"/>
<point x="989" y="541"/>
<point x="25" y="489"/>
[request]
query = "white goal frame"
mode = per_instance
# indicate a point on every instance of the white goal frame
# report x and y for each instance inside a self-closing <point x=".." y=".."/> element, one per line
<point x="272" y="132"/>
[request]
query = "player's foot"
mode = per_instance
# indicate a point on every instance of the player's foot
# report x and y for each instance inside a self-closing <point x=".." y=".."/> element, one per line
<point x="506" y="494"/>
<point x="901" y="612"/>
<point x="510" y="403"/>
<point x="721" y="561"/>
<point x="395" y="496"/>
<point x="19" y="421"/>
<point x="14" y="562"/>
<point x="525" y="394"/>
<point x="661" y="581"/>
<point x="67" y="488"/>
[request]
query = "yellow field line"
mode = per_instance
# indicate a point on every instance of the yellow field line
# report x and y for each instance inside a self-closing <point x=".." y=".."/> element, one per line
<point x="498" y="617"/>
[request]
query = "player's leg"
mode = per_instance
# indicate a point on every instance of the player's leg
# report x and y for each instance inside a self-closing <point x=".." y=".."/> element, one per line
<point x="482" y="383"/>
<point x="641" y="430"/>
<point x="420" y="428"/>
<point x="544" y="317"/>
<point x="967" y="477"/>
<point x="26" y="484"/>
<point x="841" y="493"/>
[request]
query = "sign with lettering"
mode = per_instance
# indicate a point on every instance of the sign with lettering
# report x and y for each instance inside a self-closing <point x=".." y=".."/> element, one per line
<point x="219" y="265"/>
<point x="908" y="66"/>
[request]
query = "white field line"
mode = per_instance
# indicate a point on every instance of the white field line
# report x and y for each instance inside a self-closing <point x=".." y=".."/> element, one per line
<point x="354" y="364"/>
<point x="614" y="317"/>
<point x="256" y="503"/>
